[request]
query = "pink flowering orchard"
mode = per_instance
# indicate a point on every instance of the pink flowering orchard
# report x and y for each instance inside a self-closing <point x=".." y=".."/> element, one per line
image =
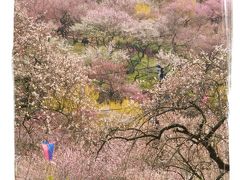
<point x="121" y="90"/>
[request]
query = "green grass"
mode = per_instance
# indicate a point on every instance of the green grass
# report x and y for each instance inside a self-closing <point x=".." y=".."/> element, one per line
<point x="145" y="72"/>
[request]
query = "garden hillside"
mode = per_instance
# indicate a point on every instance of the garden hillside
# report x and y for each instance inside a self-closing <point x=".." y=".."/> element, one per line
<point x="125" y="90"/>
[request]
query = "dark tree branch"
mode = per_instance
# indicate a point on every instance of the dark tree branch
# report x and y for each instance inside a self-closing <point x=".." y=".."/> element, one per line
<point x="180" y="129"/>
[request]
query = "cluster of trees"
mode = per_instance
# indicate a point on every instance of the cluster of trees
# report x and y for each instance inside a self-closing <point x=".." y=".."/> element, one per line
<point x="126" y="89"/>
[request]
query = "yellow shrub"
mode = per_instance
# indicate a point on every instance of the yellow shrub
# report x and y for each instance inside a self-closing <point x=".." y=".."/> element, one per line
<point x="218" y="95"/>
<point x="142" y="9"/>
<point x="91" y="93"/>
<point x="73" y="100"/>
<point x="118" y="114"/>
<point x="110" y="113"/>
<point x="125" y="107"/>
